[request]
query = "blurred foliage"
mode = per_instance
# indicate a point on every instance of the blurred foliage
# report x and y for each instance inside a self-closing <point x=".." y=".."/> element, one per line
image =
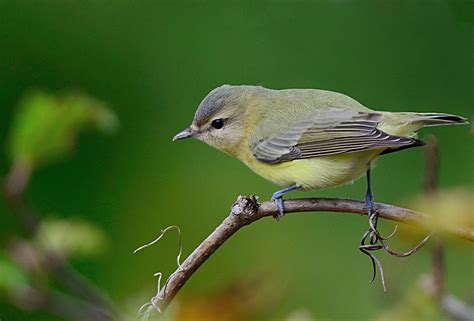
<point x="300" y="315"/>
<point x="71" y="237"/>
<point x="448" y="207"/>
<point x="244" y="300"/>
<point x="417" y="305"/>
<point x="12" y="277"/>
<point x="46" y="126"/>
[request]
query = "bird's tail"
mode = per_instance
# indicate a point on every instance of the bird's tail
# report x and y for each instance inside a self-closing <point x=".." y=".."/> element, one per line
<point x="437" y="119"/>
<point x="407" y="123"/>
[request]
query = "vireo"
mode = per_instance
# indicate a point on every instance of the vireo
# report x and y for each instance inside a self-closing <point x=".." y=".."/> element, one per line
<point x="308" y="139"/>
<point x="305" y="139"/>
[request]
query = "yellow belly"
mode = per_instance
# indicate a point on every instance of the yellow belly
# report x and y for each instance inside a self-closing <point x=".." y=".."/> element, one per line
<point x="315" y="173"/>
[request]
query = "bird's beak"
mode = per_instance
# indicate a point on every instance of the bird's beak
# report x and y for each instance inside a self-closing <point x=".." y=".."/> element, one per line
<point x="186" y="133"/>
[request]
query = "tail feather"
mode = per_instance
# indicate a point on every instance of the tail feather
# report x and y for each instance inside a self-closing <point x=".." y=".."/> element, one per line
<point x="437" y="119"/>
<point x="405" y="124"/>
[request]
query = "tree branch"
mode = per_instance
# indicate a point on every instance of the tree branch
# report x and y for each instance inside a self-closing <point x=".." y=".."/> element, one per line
<point x="246" y="210"/>
<point x="435" y="287"/>
<point x="431" y="186"/>
<point x="59" y="304"/>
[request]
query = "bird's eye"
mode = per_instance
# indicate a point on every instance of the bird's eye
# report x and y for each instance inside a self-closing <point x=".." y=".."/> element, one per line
<point x="217" y="123"/>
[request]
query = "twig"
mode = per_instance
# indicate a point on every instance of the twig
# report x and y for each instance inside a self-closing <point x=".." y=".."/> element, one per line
<point x="452" y="306"/>
<point x="77" y="284"/>
<point x="431" y="182"/>
<point x="431" y="165"/>
<point x="14" y="187"/>
<point x="457" y="309"/>
<point x="246" y="210"/>
<point x="59" y="304"/>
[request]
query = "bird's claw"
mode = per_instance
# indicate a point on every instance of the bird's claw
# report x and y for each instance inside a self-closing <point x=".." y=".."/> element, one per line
<point x="277" y="197"/>
<point x="281" y="208"/>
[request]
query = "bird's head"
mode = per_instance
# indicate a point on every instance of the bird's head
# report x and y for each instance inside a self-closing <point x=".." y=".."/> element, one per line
<point x="221" y="119"/>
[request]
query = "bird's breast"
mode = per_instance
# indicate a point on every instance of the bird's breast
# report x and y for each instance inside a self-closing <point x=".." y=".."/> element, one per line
<point x="314" y="173"/>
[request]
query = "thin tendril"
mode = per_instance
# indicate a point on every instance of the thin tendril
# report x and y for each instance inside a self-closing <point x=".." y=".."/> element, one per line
<point x="146" y="309"/>
<point x="375" y="262"/>
<point x="163" y="232"/>
<point x="377" y="242"/>
<point x="408" y="253"/>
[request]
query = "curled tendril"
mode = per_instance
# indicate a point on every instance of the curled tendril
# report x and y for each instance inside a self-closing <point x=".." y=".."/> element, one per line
<point x="145" y="309"/>
<point x="408" y="253"/>
<point x="375" y="262"/>
<point x="373" y="219"/>
<point x="153" y="305"/>
<point x="377" y="242"/>
<point x="163" y="232"/>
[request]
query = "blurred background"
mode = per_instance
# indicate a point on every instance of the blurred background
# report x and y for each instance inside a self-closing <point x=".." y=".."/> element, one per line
<point x="139" y="69"/>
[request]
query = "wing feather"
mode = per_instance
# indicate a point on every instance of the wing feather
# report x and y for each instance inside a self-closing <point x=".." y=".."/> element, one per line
<point x="329" y="131"/>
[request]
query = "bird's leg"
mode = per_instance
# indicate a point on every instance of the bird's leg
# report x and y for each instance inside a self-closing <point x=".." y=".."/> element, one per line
<point x="373" y="216"/>
<point x="374" y="235"/>
<point x="277" y="197"/>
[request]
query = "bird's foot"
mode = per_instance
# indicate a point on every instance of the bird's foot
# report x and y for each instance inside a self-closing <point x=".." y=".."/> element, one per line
<point x="277" y="197"/>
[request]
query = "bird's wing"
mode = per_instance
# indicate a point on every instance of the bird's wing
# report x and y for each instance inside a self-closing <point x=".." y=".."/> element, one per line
<point x="327" y="131"/>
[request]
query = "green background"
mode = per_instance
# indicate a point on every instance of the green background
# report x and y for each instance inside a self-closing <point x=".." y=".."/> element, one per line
<point x="153" y="61"/>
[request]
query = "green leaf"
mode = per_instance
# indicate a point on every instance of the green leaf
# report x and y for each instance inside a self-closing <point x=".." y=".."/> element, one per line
<point x="71" y="237"/>
<point x="12" y="277"/>
<point x="45" y="127"/>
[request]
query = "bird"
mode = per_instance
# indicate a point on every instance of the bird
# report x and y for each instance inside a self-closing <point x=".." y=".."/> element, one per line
<point x="309" y="139"/>
<point x="305" y="139"/>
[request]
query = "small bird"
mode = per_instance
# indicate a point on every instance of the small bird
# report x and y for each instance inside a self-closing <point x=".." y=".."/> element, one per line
<point x="306" y="139"/>
<point x="309" y="139"/>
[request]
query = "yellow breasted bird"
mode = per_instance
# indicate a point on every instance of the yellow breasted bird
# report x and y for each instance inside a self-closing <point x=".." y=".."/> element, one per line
<point x="309" y="139"/>
<point x="306" y="139"/>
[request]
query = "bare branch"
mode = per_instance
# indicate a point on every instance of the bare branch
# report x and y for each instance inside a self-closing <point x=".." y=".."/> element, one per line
<point x="452" y="306"/>
<point x="246" y="210"/>
<point x="431" y="182"/>
<point x="61" y="305"/>
<point x="456" y="309"/>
